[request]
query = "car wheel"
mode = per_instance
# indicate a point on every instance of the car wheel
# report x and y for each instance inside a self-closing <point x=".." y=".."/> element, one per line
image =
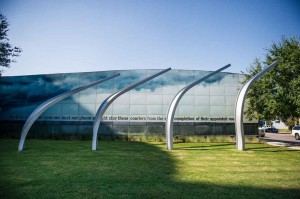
<point x="297" y="136"/>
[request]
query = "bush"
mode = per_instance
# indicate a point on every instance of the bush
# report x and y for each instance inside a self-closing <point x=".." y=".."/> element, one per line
<point x="147" y="138"/>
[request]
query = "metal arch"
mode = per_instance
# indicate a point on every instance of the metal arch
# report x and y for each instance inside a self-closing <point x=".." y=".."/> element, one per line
<point x="41" y="108"/>
<point x="239" y="107"/>
<point x="174" y="103"/>
<point x="110" y="99"/>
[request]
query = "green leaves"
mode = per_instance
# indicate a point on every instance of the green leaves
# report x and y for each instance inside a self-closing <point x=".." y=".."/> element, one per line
<point x="277" y="93"/>
<point x="7" y="51"/>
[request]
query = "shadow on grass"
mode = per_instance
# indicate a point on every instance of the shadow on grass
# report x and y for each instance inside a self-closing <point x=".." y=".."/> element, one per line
<point x="69" y="169"/>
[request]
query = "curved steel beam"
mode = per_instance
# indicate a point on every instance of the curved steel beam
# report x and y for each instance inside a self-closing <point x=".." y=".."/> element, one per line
<point x="239" y="107"/>
<point x="110" y="99"/>
<point x="41" y="108"/>
<point x="174" y="103"/>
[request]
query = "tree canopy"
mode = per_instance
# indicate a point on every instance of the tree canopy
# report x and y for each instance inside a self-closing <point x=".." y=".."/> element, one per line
<point x="7" y="51"/>
<point x="277" y="93"/>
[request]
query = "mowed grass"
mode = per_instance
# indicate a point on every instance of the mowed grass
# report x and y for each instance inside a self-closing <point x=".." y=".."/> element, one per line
<point x="69" y="169"/>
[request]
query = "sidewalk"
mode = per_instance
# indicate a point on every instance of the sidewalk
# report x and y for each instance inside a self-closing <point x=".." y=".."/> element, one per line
<point x="282" y="140"/>
<point x="282" y="144"/>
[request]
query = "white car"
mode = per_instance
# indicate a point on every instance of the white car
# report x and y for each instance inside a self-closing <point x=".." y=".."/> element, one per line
<point x="296" y="132"/>
<point x="264" y="127"/>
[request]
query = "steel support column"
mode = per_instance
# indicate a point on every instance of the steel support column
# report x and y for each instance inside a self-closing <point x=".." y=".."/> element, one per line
<point x="174" y="103"/>
<point x="41" y="108"/>
<point x="239" y="107"/>
<point x="105" y="104"/>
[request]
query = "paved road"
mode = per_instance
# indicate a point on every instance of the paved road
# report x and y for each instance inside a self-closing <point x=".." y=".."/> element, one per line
<point x="282" y="139"/>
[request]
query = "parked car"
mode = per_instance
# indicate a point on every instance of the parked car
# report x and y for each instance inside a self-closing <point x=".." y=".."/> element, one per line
<point x="296" y="132"/>
<point x="264" y="127"/>
<point x="261" y="133"/>
<point x="271" y="130"/>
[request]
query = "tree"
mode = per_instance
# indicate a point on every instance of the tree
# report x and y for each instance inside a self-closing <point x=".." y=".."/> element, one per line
<point x="277" y="93"/>
<point x="7" y="51"/>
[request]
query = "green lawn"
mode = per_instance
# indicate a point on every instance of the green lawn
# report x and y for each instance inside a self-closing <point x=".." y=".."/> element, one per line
<point x="69" y="169"/>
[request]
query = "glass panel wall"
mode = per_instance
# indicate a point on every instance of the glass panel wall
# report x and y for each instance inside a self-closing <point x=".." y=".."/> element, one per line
<point x="204" y="109"/>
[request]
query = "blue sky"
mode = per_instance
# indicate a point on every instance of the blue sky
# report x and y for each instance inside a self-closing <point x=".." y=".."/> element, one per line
<point x="60" y="36"/>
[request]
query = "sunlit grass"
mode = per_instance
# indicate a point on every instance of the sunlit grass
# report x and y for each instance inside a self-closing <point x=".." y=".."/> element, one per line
<point x="70" y="169"/>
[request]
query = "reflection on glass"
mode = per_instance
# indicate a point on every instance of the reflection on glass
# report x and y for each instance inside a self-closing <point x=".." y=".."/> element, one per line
<point x="230" y="100"/>
<point x="186" y="110"/>
<point x="187" y="100"/>
<point x="138" y="110"/>
<point x="216" y="90"/>
<point x="202" y="100"/>
<point x="119" y="109"/>
<point x="87" y="109"/>
<point x="217" y="100"/>
<point x="71" y="109"/>
<point x="138" y="99"/>
<point x="87" y="98"/>
<point x="154" y="109"/>
<point x="154" y="99"/>
<point x="214" y="97"/>
<point x="123" y="99"/>
<point x="202" y="111"/>
<point x="217" y="111"/>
